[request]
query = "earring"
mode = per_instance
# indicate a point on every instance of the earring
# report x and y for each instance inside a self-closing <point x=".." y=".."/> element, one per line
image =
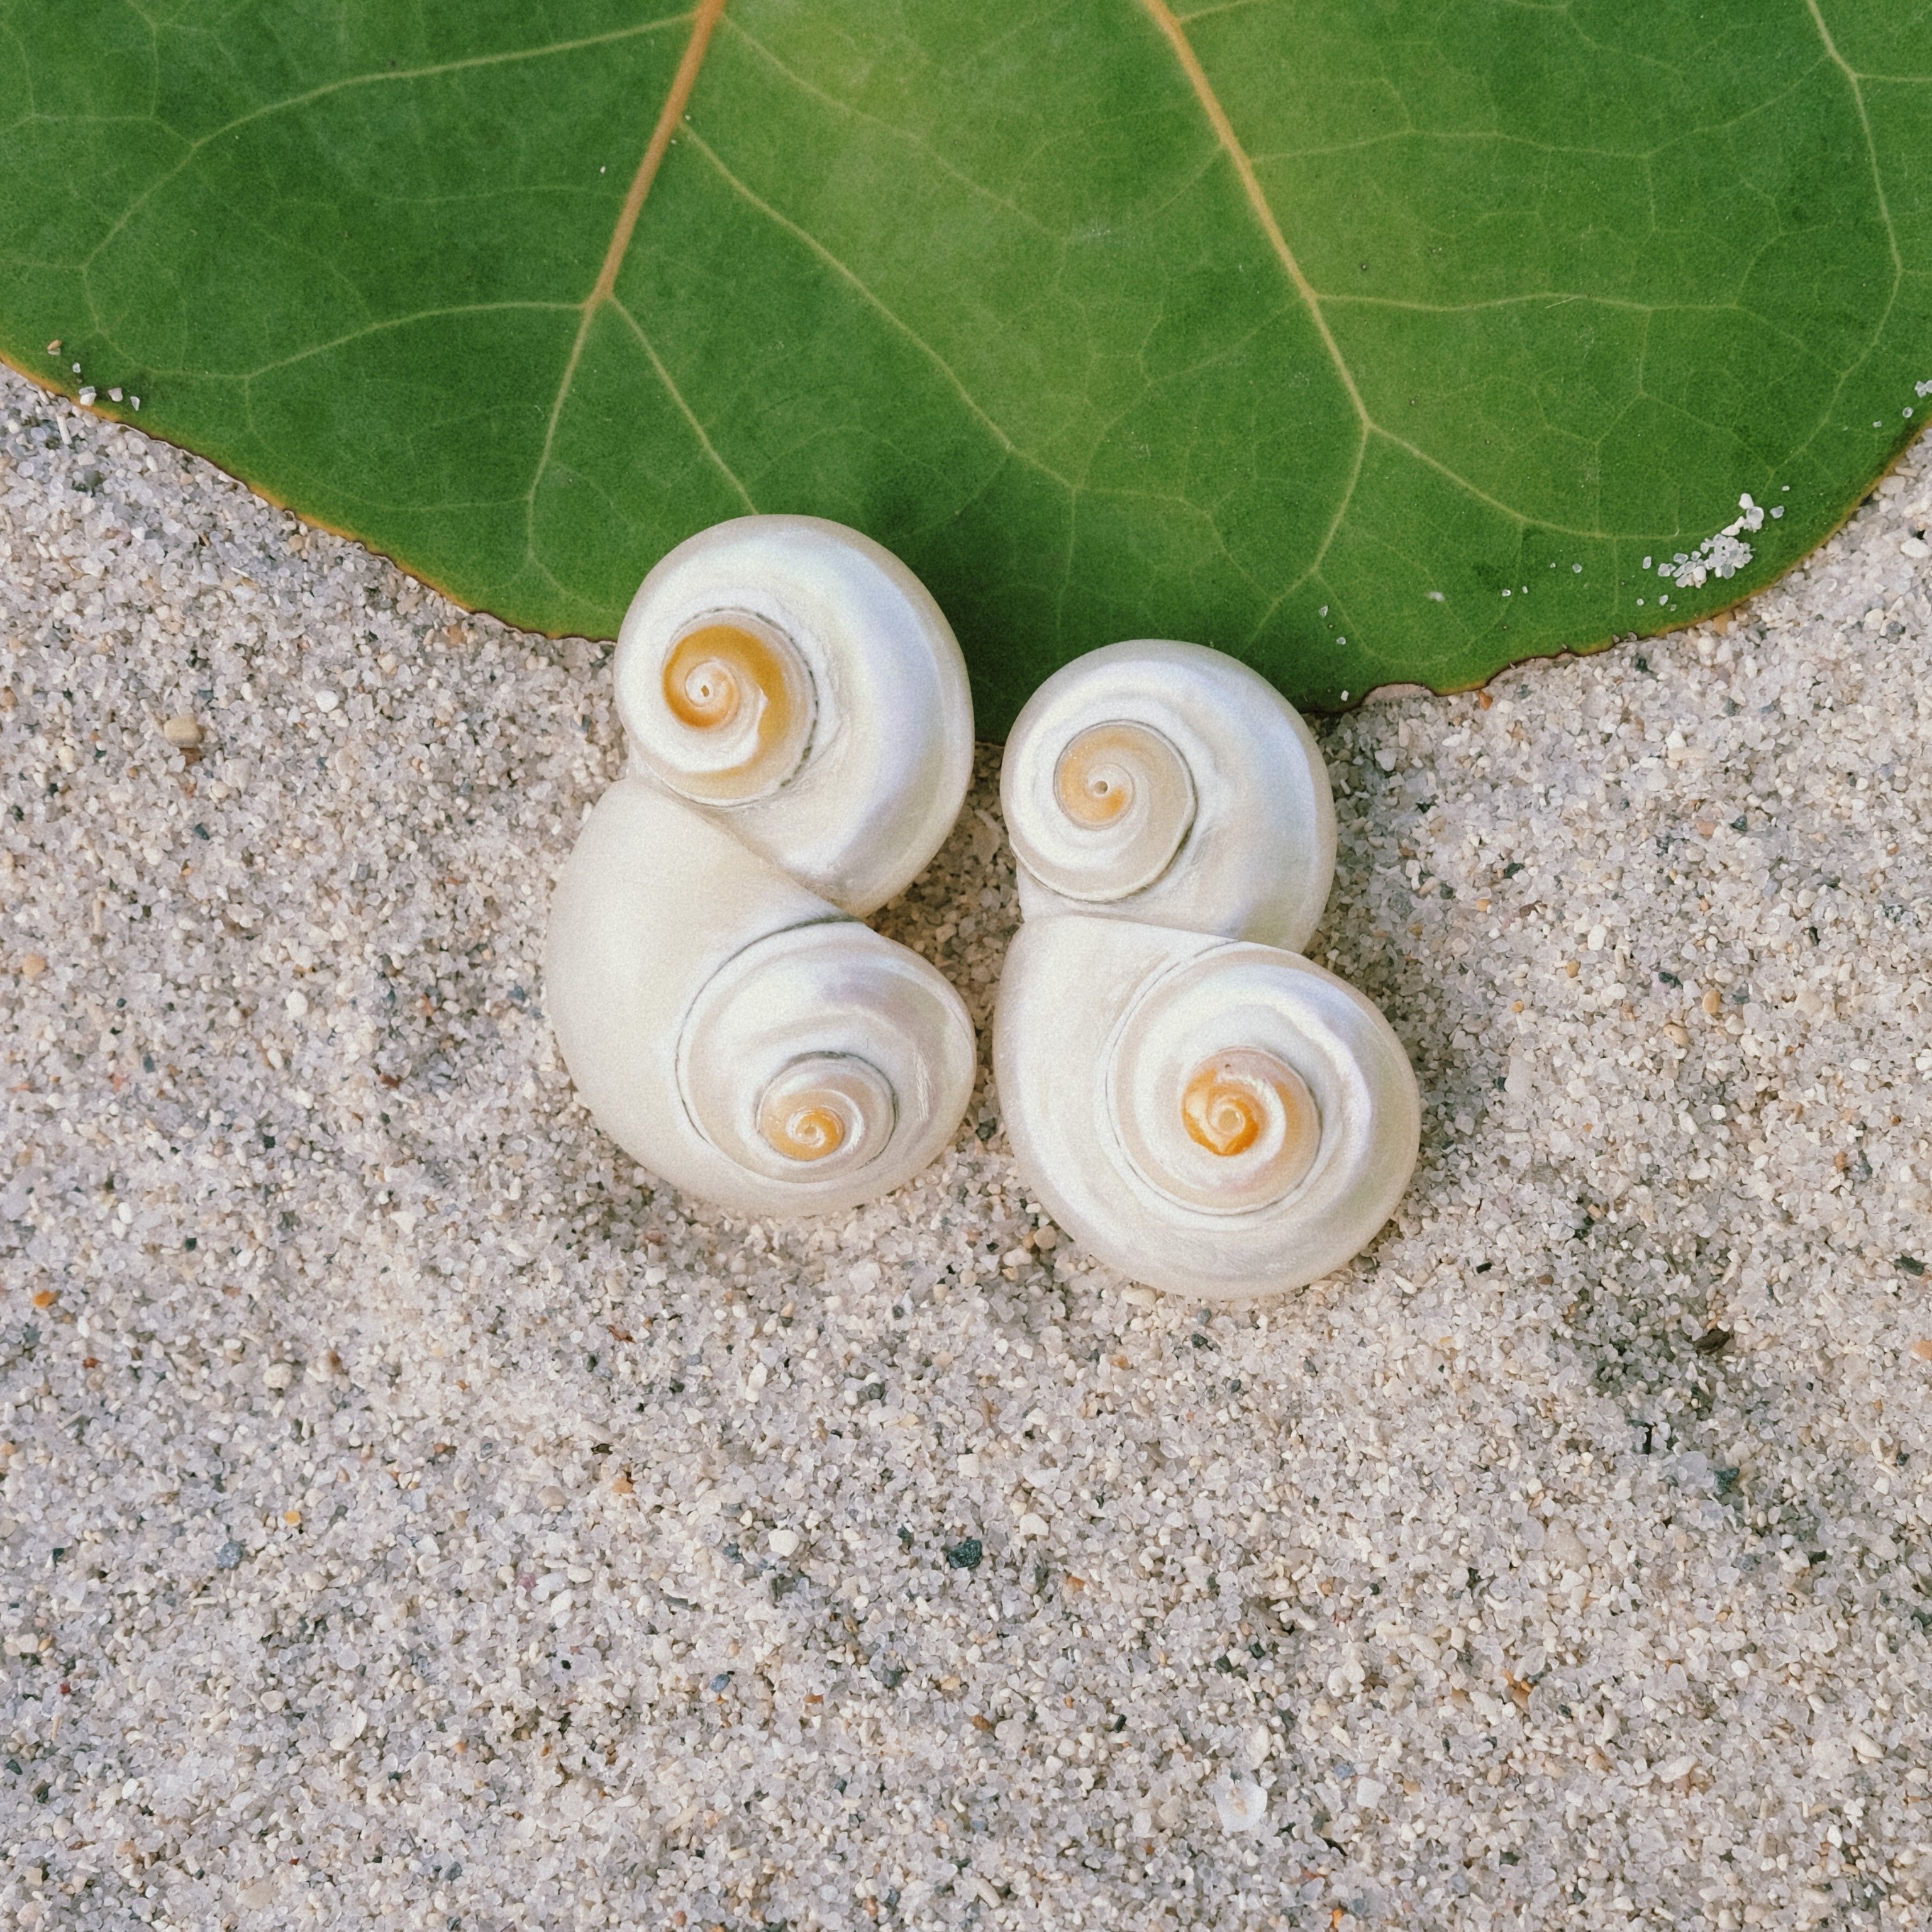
<point x="1203" y="1109"/>
<point x="801" y="737"/>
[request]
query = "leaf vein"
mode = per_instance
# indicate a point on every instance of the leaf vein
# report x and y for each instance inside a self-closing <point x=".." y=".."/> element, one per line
<point x="916" y="142"/>
<point x="690" y="415"/>
<point x="1852" y="80"/>
<point x="848" y="275"/>
<point x="1223" y="130"/>
<point x="380" y="77"/>
<point x="382" y="327"/>
<point x="704" y="22"/>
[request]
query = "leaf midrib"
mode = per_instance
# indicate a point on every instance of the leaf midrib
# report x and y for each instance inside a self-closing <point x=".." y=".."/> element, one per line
<point x="1230" y="143"/>
<point x="703" y="24"/>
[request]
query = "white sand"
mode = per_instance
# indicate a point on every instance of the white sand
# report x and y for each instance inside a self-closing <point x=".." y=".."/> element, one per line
<point x="414" y="1518"/>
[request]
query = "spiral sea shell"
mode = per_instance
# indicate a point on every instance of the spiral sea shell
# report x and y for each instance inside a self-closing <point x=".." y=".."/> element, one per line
<point x="1170" y="784"/>
<point x="1207" y="1112"/>
<point x="725" y="1018"/>
<point x="797" y="682"/>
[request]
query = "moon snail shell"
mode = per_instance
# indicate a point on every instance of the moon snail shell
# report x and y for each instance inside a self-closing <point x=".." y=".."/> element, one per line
<point x="1169" y="783"/>
<point x="801" y="736"/>
<point x="1210" y="1116"/>
<point x="796" y="681"/>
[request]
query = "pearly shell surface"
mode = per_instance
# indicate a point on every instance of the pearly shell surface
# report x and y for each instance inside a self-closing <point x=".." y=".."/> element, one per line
<point x="796" y="681"/>
<point x="1202" y="1107"/>
<point x="801" y="735"/>
<point x="1168" y="783"/>
<point x="1206" y="1115"/>
<point x="734" y="1032"/>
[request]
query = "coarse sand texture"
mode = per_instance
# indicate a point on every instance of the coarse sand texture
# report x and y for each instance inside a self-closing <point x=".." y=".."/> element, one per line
<point x="415" y="1517"/>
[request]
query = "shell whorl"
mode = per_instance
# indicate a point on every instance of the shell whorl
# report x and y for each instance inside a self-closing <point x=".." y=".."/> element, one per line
<point x="821" y="1050"/>
<point x="1169" y="783"/>
<point x="1119" y="800"/>
<point x="830" y="1112"/>
<point x="1213" y="1083"/>
<point x="1254" y="1114"/>
<point x="736" y="713"/>
<point x="791" y="676"/>
<point x="1212" y="1116"/>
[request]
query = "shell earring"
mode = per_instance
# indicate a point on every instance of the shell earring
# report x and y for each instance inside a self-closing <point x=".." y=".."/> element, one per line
<point x="1205" y="1109"/>
<point x="801" y="736"/>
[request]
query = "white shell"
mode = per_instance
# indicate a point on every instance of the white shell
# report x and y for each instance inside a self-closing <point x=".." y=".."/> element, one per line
<point x="862" y="788"/>
<point x="1229" y="825"/>
<point x="802" y="737"/>
<point x="1101" y="1023"/>
<point x="1204" y="1109"/>
<point x="698" y="994"/>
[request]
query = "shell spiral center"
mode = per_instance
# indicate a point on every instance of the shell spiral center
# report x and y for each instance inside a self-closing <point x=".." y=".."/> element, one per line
<point x="1220" y="1099"/>
<point x="1234" y="1100"/>
<point x="1118" y="802"/>
<point x="804" y="1133"/>
<point x="831" y="1108"/>
<point x="738" y="703"/>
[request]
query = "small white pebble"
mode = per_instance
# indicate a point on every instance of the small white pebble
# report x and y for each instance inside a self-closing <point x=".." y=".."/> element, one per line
<point x="1239" y="1803"/>
<point x="296" y="1002"/>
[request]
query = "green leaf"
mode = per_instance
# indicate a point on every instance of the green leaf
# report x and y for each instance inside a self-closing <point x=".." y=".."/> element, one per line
<point x="1369" y="340"/>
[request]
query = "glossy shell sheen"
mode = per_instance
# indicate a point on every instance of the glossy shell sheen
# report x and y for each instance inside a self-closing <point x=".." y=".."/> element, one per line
<point x="1210" y="1117"/>
<point x="734" y="1032"/>
<point x="796" y="681"/>
<point x="1169" y="784"/>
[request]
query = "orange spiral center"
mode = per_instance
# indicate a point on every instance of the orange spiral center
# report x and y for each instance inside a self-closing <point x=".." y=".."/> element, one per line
<point x="1093" y="780"/>
<point x="1222" y="1115"/>
<point x="1226" y="1103"/>
<point x="808" y="1132"/>
<point x="715" y="671"/>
